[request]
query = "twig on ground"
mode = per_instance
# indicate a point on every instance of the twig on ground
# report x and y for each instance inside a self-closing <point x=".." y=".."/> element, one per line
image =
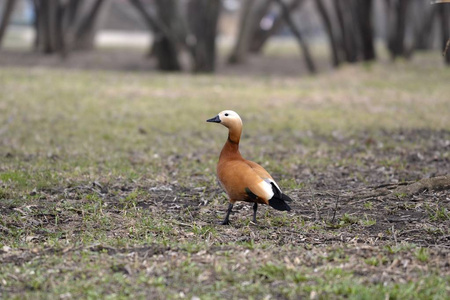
<point x="316" y="209"/>
<point x="394" y="234"/>
<point x="428" y="184"/>
<point x="335" y="209"/>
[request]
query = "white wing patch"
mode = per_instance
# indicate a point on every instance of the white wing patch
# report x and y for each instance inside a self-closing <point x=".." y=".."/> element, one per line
<point x="267" y="188"/>
<point x="269" y="181"/>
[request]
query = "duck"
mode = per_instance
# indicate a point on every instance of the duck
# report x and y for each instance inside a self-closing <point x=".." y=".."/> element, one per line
<point x="241" y="179"/>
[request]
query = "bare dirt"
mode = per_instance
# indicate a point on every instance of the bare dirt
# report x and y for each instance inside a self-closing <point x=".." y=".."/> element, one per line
<point x="336" y="197"/>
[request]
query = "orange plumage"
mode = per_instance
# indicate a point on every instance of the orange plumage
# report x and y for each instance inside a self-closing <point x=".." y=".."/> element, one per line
<point x="244" y="180"/>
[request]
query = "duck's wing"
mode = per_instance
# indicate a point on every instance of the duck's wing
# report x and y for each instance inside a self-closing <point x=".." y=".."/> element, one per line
<point x="242" y="182"/>
<point x="264" y="175"/>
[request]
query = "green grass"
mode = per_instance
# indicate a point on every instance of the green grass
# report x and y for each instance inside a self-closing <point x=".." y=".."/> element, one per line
<point x="108" y="188"/>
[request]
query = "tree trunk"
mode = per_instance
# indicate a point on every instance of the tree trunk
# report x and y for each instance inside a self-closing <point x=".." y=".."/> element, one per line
<point x="153" y="25"/>
<point x="46" y="26"/>
<point x="68" y="20"/>
<point x="59" y="31"/>
<point x="7" y="12"/>
<point x="304" y="46"/>
<point x="36" y="24"/>
<point x="424" y="34"/>
<point x="445" y="31"/>
<point x="246" y="27"/>
<point x="329" y="30"/>
<point x="346" y="24"/>
<point x="151" y="22"/>
<point x="397" y="43"/>
<point x="62" y="26"/>
<point x="168" y="37"/>
<point x="260" y="36"/>
<point x="85" y="34"/>
<point x="164" y="47"/>
<point x="390" y="18"/>
<point x="203" y="19"/>
<point x="364" y="9"/>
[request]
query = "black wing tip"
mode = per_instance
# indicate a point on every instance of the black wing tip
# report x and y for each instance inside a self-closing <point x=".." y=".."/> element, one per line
<point x="276" y="191"/>
<point x="279" y="204"/>
<point x="286" y="198"/>
<point x="279" y="194"/>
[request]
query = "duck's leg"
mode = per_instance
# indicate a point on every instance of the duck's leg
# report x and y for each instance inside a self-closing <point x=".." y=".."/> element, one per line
<point x="226" y="221"/>
<point x="255" y="208"/>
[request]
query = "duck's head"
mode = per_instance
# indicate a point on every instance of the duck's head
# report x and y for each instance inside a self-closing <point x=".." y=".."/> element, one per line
<point x="227" y="118"/>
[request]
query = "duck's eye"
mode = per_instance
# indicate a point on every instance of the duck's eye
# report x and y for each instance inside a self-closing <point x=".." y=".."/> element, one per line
<point x="226" y="115"/>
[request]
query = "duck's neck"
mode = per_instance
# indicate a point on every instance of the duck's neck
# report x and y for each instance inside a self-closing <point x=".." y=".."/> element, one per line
<point x="231" y="148"/>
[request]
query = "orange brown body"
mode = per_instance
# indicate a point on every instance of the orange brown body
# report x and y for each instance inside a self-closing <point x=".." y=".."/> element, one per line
<point x="244" y="180"/>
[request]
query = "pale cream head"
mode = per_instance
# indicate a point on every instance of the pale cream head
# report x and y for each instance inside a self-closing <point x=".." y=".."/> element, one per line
<point x="230" y="119"/>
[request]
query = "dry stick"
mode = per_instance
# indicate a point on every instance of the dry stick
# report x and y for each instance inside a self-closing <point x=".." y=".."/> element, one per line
<point x="390" y="185"/>
<point x="81" y="187"/>
<point x="409" y="189"/>
<point x="335" y="209"/>
<point x="430" y="184"/>
<point x="395" y="236"/>
<point x="182" y="224"/>
<point x="316" y="210"/>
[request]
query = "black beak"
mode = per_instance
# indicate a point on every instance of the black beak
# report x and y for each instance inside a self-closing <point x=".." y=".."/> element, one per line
<point x="216" y="119"/>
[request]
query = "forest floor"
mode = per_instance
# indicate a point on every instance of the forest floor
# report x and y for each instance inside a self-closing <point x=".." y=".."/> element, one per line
<point x="108" y="184"/>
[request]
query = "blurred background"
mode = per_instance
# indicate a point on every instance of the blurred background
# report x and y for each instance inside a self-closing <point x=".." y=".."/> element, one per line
<point x="291" y="37"/>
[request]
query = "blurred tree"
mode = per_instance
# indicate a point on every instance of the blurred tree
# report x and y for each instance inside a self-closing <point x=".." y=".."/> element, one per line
<point x="348" y="32"/>
<point x="7" y="12"/>
<point x="63" y="26"/>
<point x="203" y="16"/>
<point x="251" y="35"/>
<point x="425" y="20"/>
<point x="445" y="31"/>
<point x="89" y="24"/>
<point x="364" y="12"/>
<point x="247" y="23"/>
<point x="303" y="45"/>
<point x="166" y="42"/>
<point x="329" y="30"/>
<point x="353" y="36"/>
<point x="190" y="26"/>
<point x="193" y="32"/>
<point x="166" y="46"/>
<point x="397" y="13"/>
<point x="47" y="25"/>
<point x="263" y="32"/>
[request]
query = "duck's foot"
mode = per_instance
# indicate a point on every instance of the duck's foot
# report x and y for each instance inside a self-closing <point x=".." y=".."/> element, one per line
<point x="225" y="222"/>
<point x="255" y="208"/>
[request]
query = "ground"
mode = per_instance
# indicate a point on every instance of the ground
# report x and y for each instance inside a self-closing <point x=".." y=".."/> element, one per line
<point x="108" y="184"/>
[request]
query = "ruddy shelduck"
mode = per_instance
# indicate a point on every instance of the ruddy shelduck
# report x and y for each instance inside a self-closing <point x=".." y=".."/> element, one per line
<point x="244" y="180"/>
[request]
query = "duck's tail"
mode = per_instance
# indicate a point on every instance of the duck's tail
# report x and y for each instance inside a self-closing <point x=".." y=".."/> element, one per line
<point x="279" y="203"/>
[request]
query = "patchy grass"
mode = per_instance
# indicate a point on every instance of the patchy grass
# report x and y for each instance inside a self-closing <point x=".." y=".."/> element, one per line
<point x="108" y="186"/>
